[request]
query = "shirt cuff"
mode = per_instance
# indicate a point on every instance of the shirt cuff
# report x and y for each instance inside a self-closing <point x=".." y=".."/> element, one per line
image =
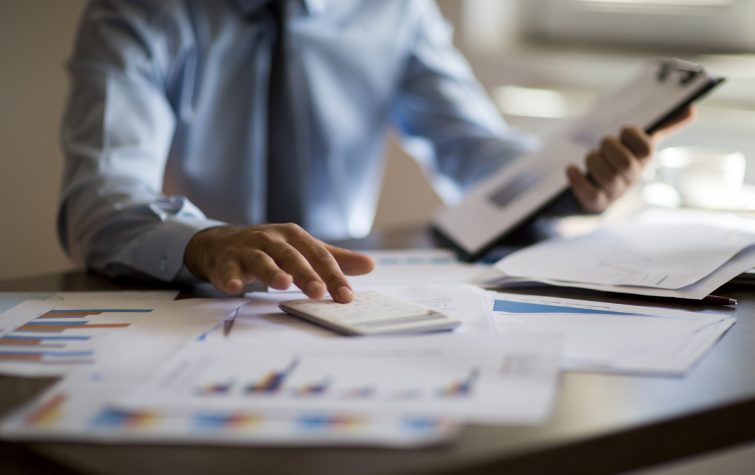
<point x="162" y="252"/>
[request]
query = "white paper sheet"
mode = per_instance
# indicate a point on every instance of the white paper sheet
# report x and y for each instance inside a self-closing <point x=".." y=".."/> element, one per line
<point x="611" y="337"/>
<point x="54" y="337"/>
<point x="78" y="409"/>
<point x="411" y="257"/>
<point x="696" y="291"/>
<point x="679" y="256"/>
<point x="664" y="256"/>
<point x="489" y="379"/>
<point x="465" y="302"/>
<point x="262" y="317"/>
<point x="412" y="267"/>
<point x="419" y="267"/>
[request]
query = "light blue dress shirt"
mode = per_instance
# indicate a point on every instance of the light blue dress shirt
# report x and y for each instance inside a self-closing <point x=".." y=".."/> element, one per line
<point x="166" y="125"/>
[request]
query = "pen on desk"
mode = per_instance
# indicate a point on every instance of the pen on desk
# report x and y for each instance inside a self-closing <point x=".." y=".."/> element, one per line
<point x="718" y="300"/>
<point x="228" y="323"/>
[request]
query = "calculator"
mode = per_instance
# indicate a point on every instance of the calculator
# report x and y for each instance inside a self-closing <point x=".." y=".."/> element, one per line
<point x="370" y="313"/>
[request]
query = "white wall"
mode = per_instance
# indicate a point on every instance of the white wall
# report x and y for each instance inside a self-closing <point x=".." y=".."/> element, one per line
<point x="35" y="39"/>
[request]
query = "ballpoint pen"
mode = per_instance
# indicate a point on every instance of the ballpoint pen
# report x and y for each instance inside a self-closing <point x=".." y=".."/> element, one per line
<point x="228" y="323"/>
<point x="718" y="300"/>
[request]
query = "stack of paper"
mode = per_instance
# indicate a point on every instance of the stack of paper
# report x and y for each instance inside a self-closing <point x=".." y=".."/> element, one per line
<point x="657" y="254"/>
<point x="109" y="344"/>
<point x="243" y="372"/>
<point x="417" y="390"/>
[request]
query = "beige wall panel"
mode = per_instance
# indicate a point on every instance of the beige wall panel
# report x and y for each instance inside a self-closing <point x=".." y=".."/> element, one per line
<point x="35" y="40"/>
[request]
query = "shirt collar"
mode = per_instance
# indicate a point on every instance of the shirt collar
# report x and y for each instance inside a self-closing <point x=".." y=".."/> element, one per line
<point x="312" y="7"/>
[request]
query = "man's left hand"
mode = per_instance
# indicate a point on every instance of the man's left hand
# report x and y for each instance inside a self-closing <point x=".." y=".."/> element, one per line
<point x="618" y="163"/>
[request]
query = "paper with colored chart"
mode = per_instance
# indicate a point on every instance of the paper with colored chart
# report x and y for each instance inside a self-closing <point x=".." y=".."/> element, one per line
<point x="109" y="338"/>
<point x="492" y="379"/>
<point x="607" y="337"/>
<point x="77" y="409"/>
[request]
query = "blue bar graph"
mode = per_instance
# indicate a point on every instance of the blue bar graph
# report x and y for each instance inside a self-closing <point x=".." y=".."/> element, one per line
<point x="509" y="306"/>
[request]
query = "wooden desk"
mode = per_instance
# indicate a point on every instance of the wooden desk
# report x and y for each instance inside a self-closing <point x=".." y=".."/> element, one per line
<point x="600" y="423"/>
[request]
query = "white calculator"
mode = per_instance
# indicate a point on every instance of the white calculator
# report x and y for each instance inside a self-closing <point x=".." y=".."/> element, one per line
<point x="370" y="313"/>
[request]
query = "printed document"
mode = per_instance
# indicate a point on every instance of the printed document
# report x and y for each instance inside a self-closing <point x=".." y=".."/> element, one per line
<point x="54" y="337"/>
<point x="657" y="253"/>
<point x="492" y="379"/>
<point x="78" y="409"/>
<point x="606" y="337"/>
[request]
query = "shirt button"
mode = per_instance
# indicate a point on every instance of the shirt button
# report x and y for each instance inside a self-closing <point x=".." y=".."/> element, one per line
<point x="163" y="262"/>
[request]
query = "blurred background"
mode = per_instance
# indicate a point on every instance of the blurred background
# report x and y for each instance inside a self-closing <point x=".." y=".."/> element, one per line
<point x="542" y="61"/>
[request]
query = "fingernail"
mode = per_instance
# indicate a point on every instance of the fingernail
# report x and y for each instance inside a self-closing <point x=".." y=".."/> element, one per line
<point x="281" y="280"/>
<point x="344" y="293"/>
<point x="234" y="285"/>
<point x="315" y="288"/>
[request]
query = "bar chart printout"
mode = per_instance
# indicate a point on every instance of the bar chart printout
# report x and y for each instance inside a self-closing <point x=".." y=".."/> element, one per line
<point x="611" y="337"/>
<point x="461" y="388"/>
<point x="78" y="409"/>
<point x="63" y="336"/>
<point x="273" y="381"/>
<point x="456" y="376"/>
<point x="109" y="338"/>
<point x="37" y="336"/>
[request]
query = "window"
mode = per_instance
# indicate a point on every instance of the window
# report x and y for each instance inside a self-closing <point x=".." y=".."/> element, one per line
<point x="693" y="25"/>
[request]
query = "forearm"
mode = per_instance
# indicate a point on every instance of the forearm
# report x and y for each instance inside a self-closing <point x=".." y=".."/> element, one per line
<point x="117" y="133"/>
<point x="135" y="234"/>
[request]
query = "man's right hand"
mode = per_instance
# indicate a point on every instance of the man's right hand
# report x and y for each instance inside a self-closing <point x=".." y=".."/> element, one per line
<point x="276" y="255"/>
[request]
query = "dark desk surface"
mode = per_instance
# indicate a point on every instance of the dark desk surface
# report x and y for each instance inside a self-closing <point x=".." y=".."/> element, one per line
<point x="600" y="423"/>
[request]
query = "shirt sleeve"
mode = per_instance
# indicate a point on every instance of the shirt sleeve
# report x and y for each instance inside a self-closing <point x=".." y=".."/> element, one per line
<point x="447" y="120"/>
<point x="116" y="136"/>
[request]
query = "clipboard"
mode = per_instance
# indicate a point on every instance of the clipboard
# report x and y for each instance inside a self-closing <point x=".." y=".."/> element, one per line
<point x="519" y="190"/>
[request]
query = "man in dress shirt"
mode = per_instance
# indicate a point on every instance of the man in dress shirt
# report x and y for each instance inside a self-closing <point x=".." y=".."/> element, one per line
<point x="193" y="127"/>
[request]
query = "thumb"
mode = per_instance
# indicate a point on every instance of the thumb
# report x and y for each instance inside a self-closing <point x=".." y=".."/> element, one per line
<point x="679" y="121"/>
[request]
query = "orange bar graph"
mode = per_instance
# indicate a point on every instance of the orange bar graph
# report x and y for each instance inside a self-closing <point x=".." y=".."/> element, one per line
<point x="20" y="357"/>
<point x="20" y="342"/>
<point x="61" y="328"/>
<point x="69" y="314"/>
<point x="48" y="413"/>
